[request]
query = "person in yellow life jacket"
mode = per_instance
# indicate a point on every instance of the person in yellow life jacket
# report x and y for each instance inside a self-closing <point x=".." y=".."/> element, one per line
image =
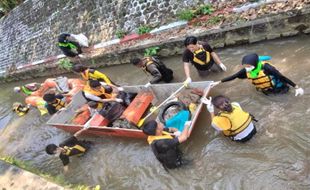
<point x="20" y="109"/>
<point x="231" y="119"/>
<point x="94" y="91"/>
<point x="68" y="148"/>
<point x="202" y="56"/>
<point x="27" y="89"/>
<point x="164" y="145"/>
<point x="154" y="67"/>
<point x="264" y="76"/>
<point x="54" y="102"/>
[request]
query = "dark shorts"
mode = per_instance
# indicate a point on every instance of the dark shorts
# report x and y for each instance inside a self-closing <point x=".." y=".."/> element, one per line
<point x="214" y="68"/>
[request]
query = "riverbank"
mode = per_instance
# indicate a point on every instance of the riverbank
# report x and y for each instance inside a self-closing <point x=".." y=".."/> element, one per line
<point x="249" y="29"/>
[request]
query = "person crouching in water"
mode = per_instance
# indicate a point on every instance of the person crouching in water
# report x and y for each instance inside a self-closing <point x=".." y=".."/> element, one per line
<point x="165" y="146"/>
<point x="231" y="119"/>
<point x="155" y="68"/>
<point x="265" y="77"/>
<point x="54" y="102"/>
<point x="68" y="148"/>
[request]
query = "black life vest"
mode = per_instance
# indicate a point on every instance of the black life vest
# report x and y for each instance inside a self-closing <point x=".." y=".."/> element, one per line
<point x="58" y="104"/>
<point x="166" y="73"/>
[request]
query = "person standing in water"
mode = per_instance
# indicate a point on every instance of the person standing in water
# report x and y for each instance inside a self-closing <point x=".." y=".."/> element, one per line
<point x="202" y="56"/>
<point x="264" y="76"/>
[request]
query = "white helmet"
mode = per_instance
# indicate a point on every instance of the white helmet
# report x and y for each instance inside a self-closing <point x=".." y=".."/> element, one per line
<point x="17" y="89"/>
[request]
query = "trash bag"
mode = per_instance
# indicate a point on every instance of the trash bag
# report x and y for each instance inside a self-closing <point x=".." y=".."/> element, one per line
<point x="127" y="97"/>
<point x="112" y="111"/>
<point x="81" y="39"/>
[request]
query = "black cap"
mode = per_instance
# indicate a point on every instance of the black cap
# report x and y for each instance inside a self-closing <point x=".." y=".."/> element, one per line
<point x="62" y="38"/>
<point x="250" y="59"/>
<point x="94" y="83"/>
<point x="135" y="61"/>
<point x="150" y="127"/>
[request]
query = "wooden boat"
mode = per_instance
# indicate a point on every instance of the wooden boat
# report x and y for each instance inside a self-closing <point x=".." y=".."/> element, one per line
<point x="137" y="110"/>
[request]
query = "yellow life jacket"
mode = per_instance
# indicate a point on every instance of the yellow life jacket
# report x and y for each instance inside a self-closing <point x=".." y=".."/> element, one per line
<point x="21" y="111"/>
<point x="100" y="93"/>
<point x="165" y="135"/>
<point x="96" y="75"/>
<point x="262" y="81"/>
<point x="202" y="62"/>
<point x="58" y="104"/>
<point x="69" y="149"/>
<point x="234" y="122"/>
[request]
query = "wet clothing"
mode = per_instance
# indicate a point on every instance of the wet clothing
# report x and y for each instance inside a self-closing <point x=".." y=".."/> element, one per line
<point x="202" y="59"/>
<point x="69" y="48"/>
<point x="57" y="105"/>
<point x="166" y="150"/>
<point x="157" y="69"/>
<point x="278" y="82"/>
<point x="92" y="74"/>
<point x="236" y="124"/>
<point x="72" y="147"/>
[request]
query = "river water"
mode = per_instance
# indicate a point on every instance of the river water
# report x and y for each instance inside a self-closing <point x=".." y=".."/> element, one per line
<point x="278" y="157"/>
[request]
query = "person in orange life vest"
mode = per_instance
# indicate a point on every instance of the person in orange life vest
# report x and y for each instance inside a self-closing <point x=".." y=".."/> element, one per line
<point x="264" y="76"/>
<point x="68" y="148"/>
<point x="202" y="56"/>
<point x="155" y="68"/>
<point x="231" y="120"/>
<point x="164" y="145"/>
<point x="92" y="74"/>
<point x="94" y="91"/>
<point x="54" y="102"/>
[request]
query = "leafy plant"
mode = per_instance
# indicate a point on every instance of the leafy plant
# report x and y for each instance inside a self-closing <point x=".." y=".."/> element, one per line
<point x="144" y="29"/>
<point x="120" y="33"/>
<point x="65" y="64"/>
<point x="151" y="51"/>
<point x="186" y="15"/>
<point x="205" y="10"/>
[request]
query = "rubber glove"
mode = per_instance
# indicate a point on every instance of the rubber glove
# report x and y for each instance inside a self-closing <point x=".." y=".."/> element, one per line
<point x="223" y="67"/>
<point x="299" y="91"/>
<point x="209" y="104"/>
<point x="153" y="109"/>
<point x="177" y="133"/>
<point x="82" y="56"/>
<point x="213" y="84"/>
<point x="147" y="85"/>
<point x="119" y="100"/>
<point x="187" y="81"/>
<point x="103" y="83"/>
<point x="120" y="88"/>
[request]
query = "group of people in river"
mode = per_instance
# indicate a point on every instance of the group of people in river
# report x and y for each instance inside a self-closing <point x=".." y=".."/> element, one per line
<point x="227" y="117"/>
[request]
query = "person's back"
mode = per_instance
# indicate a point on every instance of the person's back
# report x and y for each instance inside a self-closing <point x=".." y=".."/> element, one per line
<point x="54" y="102"/>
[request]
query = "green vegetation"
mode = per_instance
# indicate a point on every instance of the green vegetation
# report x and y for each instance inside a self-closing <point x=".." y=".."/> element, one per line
<point x="186" y="15"/>
<point x="189" y="14"/>
<point x="144" y="29"/>
<point x="65" y="64"/>
<point x="151" y="51"/>
<point x="7" y="5"/>
<point x="120" y="33"/>
<point x="206" y="9"/>
<point x="59" y="179"/>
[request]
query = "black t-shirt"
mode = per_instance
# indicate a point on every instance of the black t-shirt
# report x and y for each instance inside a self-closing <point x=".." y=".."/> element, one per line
<point x="167" y="152"/>
<point x="71" y="142"/>
<point x="188" y="57"/>
<point x="268" y="70"/>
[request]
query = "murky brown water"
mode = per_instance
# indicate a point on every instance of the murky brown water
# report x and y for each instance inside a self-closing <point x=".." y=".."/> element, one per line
<point x="277" y="158"/>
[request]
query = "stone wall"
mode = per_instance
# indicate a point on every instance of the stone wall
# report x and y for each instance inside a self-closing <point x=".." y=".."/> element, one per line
<point x="30" y="31"/>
